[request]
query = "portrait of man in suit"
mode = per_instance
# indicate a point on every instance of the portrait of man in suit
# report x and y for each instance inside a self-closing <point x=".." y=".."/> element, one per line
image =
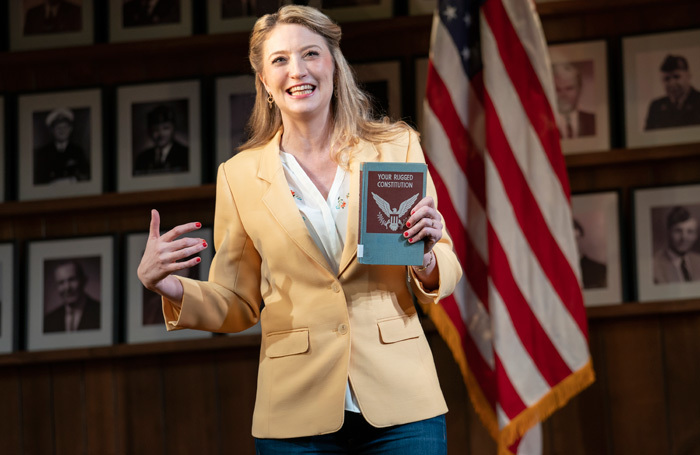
<point x="167" y="154"/>
<point x="571" y="120"/>
<point x="678" y="261"/>
<point x="53" y="16"/>
<point x="594" y="274"/>
<point x="76" y="309"/>
<point x="681" y="105"/>
<point x="138" y="13"/>
<point x="61" y="158"/>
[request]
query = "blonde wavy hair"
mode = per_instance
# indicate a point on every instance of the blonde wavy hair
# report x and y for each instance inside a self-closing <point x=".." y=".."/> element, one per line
<point x="352" y="116"/>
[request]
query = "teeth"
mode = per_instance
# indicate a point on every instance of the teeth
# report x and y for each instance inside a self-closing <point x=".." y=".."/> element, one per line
<point x="301" y="89"/>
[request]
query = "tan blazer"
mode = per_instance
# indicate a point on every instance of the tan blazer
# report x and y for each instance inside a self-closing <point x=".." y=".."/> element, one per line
<point x="318" y="328"/>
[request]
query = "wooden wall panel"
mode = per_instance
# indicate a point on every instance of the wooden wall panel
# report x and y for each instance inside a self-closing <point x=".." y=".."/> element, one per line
<point x="10" y="429"/>
<point x="191" y="411"/>
<point x="681" y="347"/>
<point x="143" y="412"/>
<point x="101" y="408"/>
<point x="69" y="420"/>
<point x="37" y="410"/>
<point x="635" y="380"/>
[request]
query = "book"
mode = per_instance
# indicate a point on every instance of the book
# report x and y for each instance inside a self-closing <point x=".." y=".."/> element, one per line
<point x="388" y="193"/>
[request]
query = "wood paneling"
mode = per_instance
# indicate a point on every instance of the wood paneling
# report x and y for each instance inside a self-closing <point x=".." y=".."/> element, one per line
<point x="10" y="395"/>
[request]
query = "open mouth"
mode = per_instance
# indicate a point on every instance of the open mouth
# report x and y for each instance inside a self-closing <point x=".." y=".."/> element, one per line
<point x="301" y="90"/>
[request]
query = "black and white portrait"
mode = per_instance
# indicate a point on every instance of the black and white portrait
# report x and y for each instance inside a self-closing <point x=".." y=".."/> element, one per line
<point x="160" y="137"/>
<point x="676" y="247"/>
<point x="138" y="13"/>
<point x="581" y="111"/>
<point x="43" y="17"/>
<point x="61" y="145"/>
<point x="662" y="88"/>
<point x="71" y="294"/>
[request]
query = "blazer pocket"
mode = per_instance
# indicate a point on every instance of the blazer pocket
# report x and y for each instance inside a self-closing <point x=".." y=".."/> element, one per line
<point x="399" y="328"/>
<point x="288" y="342"/>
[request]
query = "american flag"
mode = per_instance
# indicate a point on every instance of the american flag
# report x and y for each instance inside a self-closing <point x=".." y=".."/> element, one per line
<point x="516" y="324"/>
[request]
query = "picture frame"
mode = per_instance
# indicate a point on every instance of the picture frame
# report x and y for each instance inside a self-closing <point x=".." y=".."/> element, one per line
<point x="421" y="71"/>
<point x="355" y="10"/>
<point x="169" y="113"/>
<point x="3" y="183"/>
<point x="144" y="315"/>
<point x="8" y="298"/>
<point x="382" y="80"/>
<point x="225" y="16"/>
<point x="33" y="27"/>
<point x="235" y="97"/>
<point x="60" y="144"/>
<point x="75" y="272"/>
<point x="421" y="7"/>
<point x="582" y="112"/>
<point x="597" y="230"/>
<point x="666" y="231"/>
<point x="130" y="21"/>
<point x="649" y="118"/>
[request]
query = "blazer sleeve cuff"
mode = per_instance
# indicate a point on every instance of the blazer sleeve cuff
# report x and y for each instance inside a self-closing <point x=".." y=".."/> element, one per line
<point x="177" y="316"/>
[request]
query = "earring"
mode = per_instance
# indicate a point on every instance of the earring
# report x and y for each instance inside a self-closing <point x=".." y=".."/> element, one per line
<point x="270" y="100"/>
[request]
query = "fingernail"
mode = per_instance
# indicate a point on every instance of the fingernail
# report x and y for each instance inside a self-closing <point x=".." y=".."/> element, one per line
<point x="198" y="260"/>
<point x="198" y="225"/>
<point x="412" y="212"/>
<point x="405" y="234"/>
<point x="204" y="244"/>
<point x="408" y="223"/>
<point x="410" y="240"/>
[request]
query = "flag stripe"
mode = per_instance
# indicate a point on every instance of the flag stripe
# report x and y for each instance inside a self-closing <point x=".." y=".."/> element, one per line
<point x="528" y="86"/>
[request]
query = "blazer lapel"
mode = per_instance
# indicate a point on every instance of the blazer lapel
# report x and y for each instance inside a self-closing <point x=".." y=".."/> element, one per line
<point x="365" y="152"/>
<point x="278" y="199"/>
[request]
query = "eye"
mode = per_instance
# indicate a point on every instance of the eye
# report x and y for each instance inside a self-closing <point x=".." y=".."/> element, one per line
<point x="312" y="54"/>
<point x="278" y="60"/>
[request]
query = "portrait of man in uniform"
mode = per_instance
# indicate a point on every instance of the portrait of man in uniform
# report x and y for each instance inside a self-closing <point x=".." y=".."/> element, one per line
<point x="681" y="105"/>
<point x="58" y="156"/>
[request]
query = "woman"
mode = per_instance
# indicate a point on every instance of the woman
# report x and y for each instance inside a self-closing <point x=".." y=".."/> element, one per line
<point x="344" y="362"/>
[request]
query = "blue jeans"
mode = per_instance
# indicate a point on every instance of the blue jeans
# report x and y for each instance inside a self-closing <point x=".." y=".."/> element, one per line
<point x="426" y="437"/>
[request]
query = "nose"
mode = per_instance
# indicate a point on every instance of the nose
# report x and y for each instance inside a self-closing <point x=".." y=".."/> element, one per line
<point x="297" y="68"/>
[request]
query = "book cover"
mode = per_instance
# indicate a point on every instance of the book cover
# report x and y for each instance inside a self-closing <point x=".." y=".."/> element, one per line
<point x="388" y="193"/>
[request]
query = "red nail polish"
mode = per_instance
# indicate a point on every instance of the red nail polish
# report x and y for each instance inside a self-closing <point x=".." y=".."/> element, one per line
<point x="204" y="244"/>
<point x="198" y="260"/>
<point x="405" y="234"/>
<point x="199" y="225"/>
<point x="408" y="223"/>
<point x="410" y="240"/>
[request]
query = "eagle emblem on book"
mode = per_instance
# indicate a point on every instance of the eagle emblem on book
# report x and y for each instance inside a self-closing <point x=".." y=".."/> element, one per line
<point x="394" y="221"/>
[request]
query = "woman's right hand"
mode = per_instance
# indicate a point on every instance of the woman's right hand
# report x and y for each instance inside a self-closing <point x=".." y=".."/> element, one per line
<point x="164" y="255"/>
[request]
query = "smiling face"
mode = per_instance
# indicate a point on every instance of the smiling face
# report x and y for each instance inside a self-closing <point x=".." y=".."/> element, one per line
<point x="676" y="83"/>
<point x="298" y="72"/>
<point x="70" y="283"/>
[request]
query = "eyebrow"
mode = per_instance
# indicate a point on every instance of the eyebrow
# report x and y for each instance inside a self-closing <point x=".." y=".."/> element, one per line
<point x="305" y="48"/>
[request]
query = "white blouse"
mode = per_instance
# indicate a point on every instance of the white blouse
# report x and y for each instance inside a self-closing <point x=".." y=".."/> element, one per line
<point x="326" y="220"/>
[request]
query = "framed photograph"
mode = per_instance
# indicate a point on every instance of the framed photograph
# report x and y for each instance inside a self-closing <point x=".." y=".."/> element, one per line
<point x="667" y="247"/>
<point x="60" y="144"/>
<point x="422" y="7"/>
<point x="662" y="101"/>
<point x="144" y="313"/>
<point x="355" y="10"/>
<point x="158" y="136"/>
<point x="70" y="293"/>
<point x="224" y="16"/>
<point x="2" y="149"/>
<point x="235" y="97"/>
<point x="134" y="20"/>
<point x="43" y="24"/>
<point x="597" y="230"/>
<point x="421" y="68"/>
<point x="580" y="73"/>
<point x="8" y="298"/>
<point x="382" y="80"/>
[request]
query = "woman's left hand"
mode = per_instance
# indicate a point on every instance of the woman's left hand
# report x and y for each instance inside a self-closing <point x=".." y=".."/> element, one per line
<point x="425" y="223"/>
